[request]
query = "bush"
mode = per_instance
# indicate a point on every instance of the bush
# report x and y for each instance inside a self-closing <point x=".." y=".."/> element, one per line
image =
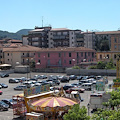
<point x="76" y="67"/>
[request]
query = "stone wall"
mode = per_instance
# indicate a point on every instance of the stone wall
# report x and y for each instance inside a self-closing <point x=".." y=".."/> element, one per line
<point x="103" y="72"/>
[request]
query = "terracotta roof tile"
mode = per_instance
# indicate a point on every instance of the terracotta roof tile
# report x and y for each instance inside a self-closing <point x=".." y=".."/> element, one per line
<point x="66" y="49"/>
<point x="108" y="32"/>
<point x="22" y="49"/>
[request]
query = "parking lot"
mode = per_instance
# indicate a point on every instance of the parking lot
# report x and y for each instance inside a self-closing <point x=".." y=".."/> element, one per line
<point x="9" y="92"/>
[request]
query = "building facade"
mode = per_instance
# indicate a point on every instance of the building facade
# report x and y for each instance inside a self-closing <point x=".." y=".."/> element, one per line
<point x="106" y="56"/>
<point x="63" y="57"/>
<point x="20" y="55"/>
<point x="115" y="42"/>
<point x="48" y="37"/>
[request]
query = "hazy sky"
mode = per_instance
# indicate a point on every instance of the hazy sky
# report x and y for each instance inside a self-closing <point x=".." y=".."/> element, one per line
<point x="103" y="15"/>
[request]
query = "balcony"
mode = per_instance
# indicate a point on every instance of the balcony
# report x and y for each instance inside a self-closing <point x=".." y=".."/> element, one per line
<point x="27" y="56"/>
<point x="60" y="37"/>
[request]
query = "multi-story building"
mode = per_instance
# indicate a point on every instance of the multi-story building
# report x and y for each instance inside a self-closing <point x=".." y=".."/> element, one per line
<point x="47" y="37"/>
<point x="63" y="57"/>
<point x="107" y="55"/>
<point x="89" y="39"/>
<point x="115" y="42"/>
<point x="18" y="54"/>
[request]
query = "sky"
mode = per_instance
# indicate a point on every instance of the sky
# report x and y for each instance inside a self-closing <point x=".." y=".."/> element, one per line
<point x="96" y="15"/>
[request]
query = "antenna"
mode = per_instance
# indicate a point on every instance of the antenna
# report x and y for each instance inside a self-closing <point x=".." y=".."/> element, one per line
<point x="42" y="21"/>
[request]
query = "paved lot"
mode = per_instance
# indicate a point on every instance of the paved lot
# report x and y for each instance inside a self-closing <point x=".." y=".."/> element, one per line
<point x="9" y="92"/>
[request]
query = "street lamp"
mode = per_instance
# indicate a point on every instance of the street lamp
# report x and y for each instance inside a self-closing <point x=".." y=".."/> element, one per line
<point x="106" y="64"/>
<point x="88" y="106"/>
<point x="73" y="61"/>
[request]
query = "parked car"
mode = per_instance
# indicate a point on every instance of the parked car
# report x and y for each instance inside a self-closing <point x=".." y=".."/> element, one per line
<point x="0" y="86"/>
<point x="55" y="82"/>
<point x="13" y="80"/>
<point x="43" y="77"/>
<point x="67" y="86"/>
<point x="1" y="92"/>
<point x="4" y="75"/>
<point x="87" y="86"/>
<point x="72" y="77"/>
<point x="80" y="90"/>
<point x="52" y="77"/>
<point x="10" y="102"/>
<point x="20" y="87"/>
<point x="3" y="106"/>
<point x="64" y="79"/>
<point x="4" y="85"/>
<point x="76" y="84"/>
<point x="79" y="77"/>
<point x="29" y="83"/>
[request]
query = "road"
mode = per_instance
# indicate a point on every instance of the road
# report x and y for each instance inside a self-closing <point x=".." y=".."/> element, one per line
<point x="9" y="92"/>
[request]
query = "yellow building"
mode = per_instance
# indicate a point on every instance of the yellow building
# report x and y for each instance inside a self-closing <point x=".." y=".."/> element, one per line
<point x="107" y="55"/>
<point x="22" y="54"/>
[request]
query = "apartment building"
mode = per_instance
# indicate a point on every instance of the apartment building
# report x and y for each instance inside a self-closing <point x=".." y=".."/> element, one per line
<point x="115" y="42"/>
<point x="107" y="55"/>
<point x="63" y="56"/>
<point x="48" y="37"/>
<point x="21" y="55"/>
<point x="89" y="39"/>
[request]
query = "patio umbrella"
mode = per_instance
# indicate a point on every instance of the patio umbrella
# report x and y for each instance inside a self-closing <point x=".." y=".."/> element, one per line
<point x="52" y="104"/>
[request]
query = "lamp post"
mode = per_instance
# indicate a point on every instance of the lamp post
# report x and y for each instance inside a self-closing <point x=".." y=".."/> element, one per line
<point x="38" y="63"/>
<point x="73" y="61"/>
<point x="88" y="106"/>
<point x="106" y="64"/>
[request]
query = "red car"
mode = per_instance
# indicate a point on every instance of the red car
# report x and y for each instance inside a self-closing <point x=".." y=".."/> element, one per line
<point x="80" y="90"/>
<point x="1" y="92"/>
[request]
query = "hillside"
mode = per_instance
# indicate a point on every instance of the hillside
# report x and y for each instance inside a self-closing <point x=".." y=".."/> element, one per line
<point x="17" y="35"/>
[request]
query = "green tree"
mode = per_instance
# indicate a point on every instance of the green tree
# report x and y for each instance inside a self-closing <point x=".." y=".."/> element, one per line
<point x="77" y="113"/>
<point x="106" y="115"/>
<point x="101" y="65"/>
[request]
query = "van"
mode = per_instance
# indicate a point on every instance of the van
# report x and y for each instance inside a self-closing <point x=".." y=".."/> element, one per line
<point x="87" y="86"/>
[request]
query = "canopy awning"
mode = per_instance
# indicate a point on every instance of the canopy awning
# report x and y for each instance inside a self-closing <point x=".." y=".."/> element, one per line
<point x="5" y="65"/>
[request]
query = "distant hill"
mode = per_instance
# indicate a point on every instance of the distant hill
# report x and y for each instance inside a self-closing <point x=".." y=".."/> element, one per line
<point x="17" y="35"/>
<point x="23" y="31"/>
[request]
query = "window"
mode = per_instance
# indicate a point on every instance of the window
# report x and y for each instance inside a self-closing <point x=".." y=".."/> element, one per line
<point x="23" y="53"/>
<point x="51" y="33"/>
<point x="69" y="54"/>
<point x="38" y="54"/>
<point x="115" y="40"/>
<point x="8" y="59"/>
<point x="115" y="46"/>
<point x="108" y="56"/>
<point x="23" y="60"/>
<point x="81" y="54"/>
<point x="39" y="61"/>
<point x="100" y="56"/>
<point x="59" y="54"/>
<point x="8" y="54"/>
<point x="48" y="54"/>
<point x="115" y="56"/>
<point x="92" y="54"/>
<point x="77" y="54"/>
<point x="70" y="62"/>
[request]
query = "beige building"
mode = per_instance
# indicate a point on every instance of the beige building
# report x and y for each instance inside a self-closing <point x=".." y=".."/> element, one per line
<point x="20" y="55"/>
<point x="106" y="56"/>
